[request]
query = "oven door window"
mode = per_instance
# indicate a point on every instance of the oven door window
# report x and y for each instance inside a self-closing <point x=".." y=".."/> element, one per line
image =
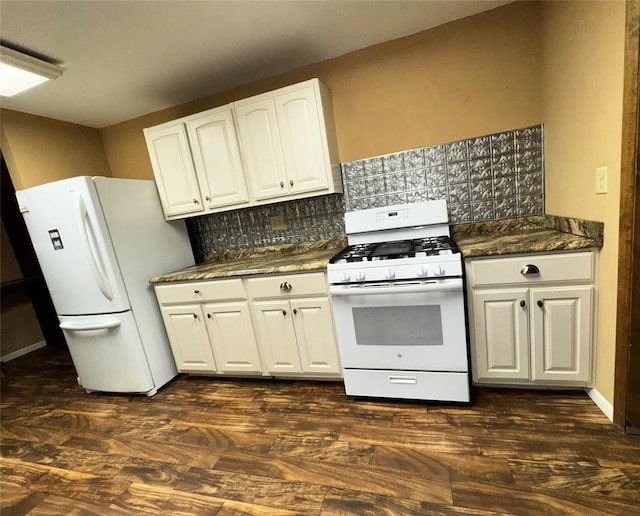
<point x="398" y="325"/>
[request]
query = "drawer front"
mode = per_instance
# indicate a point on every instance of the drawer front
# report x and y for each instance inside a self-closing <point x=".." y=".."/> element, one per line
<point x="196" y="291"/>
<point x="301" y="285"/>
<point x="521" y="270"/>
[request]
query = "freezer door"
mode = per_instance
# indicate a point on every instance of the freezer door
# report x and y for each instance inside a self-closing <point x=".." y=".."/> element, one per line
<point x="107" y="353"/>
<point x="73" y="246"/>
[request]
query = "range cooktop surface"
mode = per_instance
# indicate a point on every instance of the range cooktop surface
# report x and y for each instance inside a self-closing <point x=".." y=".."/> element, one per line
<point x="419" y="247"/>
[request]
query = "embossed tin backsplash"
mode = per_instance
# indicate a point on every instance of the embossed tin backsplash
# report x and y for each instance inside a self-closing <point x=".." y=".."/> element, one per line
<point x="498" y="176"/>
<point x="493" y="177"/>
<point x="306" y="220"/>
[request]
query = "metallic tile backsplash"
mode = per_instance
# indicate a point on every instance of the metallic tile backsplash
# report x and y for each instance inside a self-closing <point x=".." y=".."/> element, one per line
<point x="315" y="218"/>
<point x="499" y="176"/>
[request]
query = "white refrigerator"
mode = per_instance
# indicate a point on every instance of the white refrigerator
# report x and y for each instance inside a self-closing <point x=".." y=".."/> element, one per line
<point x="98" y="241"/>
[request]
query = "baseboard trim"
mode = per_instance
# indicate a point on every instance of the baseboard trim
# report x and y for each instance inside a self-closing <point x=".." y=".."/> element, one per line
<point x="23" y="351"/>
<point x="601" y="402"/>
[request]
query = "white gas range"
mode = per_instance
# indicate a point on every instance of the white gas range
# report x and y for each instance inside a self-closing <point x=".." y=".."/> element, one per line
<point x="398" y="304"/>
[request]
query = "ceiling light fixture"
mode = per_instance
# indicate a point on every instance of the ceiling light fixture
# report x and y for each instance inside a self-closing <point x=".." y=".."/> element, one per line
<point x="20" y="72"/>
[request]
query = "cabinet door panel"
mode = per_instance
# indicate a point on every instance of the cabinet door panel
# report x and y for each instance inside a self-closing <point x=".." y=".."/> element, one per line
<point x="314" y="331"/>
<point x="561" y="333"/>
<point x="173" y="169"/>
<point x="501" y="331"/>
<point x="277" y="337"/>
<point x="301" y="136"/>
<point x="261" y="148"/>
<point x="232" y="336"/>
<point x="217" y="159"/>
<point x="188" y="338"/>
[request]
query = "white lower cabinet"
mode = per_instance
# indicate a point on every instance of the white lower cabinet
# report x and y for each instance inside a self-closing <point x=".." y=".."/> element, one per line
<point x="294" y="324"/>
<point x="188" y="337"/>
<point x="278" y="325"/>
<point x="530" y="322"/>
<point x="209" y="327"/>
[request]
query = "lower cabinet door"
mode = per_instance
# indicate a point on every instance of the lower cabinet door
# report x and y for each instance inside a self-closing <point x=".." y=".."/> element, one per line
<point x="501" y="334"/>
<point x="232" y="337"/>
<point x="188" y="338"/>
<point x="277" y="337"/>
<point x="314" y="331"/>
<point x="561" y="333"/>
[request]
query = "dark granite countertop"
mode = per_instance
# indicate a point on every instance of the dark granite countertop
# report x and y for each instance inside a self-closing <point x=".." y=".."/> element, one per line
<point x="537" y="234"/>
<point x="307" y="256"/>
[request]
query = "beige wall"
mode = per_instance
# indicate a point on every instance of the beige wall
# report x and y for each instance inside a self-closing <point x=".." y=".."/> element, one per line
<point x="471" y="77"/>
<point x="582" y="71"/>
<point x="39" y="150"/>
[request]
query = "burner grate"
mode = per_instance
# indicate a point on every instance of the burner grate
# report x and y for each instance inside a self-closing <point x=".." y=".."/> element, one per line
<point x="430" y="246"/>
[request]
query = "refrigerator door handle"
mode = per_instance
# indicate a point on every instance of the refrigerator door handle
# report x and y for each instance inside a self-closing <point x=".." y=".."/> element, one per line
<point x="90" y="327"/>
<point x="100" y="277"/>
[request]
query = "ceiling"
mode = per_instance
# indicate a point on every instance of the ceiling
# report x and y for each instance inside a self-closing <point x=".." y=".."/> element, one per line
<point x="124" y="59"/>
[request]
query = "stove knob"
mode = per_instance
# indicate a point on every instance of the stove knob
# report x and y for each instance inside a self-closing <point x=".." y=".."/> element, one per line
<point x="436" y="270"/>
<point x="390" y="274"/>
<point x="360" y="276"/>
<point x="422" y="271"/>
<point x="345" y="276"/>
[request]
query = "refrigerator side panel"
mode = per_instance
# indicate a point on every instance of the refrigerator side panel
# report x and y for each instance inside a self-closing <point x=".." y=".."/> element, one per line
<point x="146" y="245"/>
<point x="70" y="237"/>
<point x="107" y="353"/>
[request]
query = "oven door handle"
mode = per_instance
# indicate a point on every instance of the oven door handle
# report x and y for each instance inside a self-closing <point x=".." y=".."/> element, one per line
<point x="397" y="288"/>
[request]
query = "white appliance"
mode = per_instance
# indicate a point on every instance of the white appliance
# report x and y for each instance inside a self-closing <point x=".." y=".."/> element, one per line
<point x="398" y="303"/>
<point x="98" y="241"/>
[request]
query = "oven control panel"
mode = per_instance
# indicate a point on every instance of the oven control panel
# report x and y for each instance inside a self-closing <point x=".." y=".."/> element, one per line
<point x="379" y="271"/>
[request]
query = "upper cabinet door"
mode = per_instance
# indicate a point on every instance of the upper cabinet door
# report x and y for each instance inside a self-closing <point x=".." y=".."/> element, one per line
<point x="173" y="169"/>
<point x="299" y="115"/>
<point x="261" y="148"/>
<point x="217" y="158"/>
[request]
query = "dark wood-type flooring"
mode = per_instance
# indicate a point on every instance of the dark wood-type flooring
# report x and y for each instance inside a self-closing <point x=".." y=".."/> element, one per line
<point x="264" y="447"/>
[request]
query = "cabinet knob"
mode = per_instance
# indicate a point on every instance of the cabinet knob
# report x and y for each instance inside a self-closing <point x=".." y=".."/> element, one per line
<point x="523" y="303"/>
<point x="295" y="311"/>
<point x="195" y="316"/>
<point x="284" y="312"/>
<point x="196" y="201"/>
<point x="207" y="198"/>
<point x="529" y="269"/>
<point x="208" y="316"/>
<point x="281" y="184"/>
<point x="196" y="291"/>
<point x="291" y="182"/>
<point x="285" y="286"/>
<point x="539" y="303"/>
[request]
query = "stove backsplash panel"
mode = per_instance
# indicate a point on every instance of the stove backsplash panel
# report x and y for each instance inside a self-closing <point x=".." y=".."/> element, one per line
<point x="493" y="177"/>
<point x="315" y="218"/>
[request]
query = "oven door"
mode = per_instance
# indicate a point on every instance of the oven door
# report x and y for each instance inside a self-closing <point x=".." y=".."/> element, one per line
<point x="408" y="325"/>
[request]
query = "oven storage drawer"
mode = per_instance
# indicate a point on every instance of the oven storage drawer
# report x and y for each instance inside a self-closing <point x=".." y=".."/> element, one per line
<point x="288" y="285"/>
<point x="422" y="385"/>
<point x="197" y="291"/>
<point x="539" y="268"/>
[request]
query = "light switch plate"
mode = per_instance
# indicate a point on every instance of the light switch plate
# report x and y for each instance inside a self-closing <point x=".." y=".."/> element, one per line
<point x="602" y="180"/>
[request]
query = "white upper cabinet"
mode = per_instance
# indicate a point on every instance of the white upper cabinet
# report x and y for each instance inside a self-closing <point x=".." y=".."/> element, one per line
<point x="216" y="157"/>
<point x="261" y="148"/>
<point x="273" y="147"/>
<point x="173" y="170"/>
<point x="197" y="165"/>
<point x="288" y="141"/>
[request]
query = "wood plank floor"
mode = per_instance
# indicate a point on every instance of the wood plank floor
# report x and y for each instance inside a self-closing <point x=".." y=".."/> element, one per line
<point x="264" y="447"/>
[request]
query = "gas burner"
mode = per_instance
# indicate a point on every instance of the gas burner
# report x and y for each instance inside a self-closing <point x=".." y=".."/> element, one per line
<point x="419" y="247"/>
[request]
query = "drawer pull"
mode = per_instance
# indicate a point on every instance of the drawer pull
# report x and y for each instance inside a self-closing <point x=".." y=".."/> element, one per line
<point x="285" y="286"/>
<point x="403" y="379"/>
<point x="196" y="291"/>
<point x="529" y="269"/>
